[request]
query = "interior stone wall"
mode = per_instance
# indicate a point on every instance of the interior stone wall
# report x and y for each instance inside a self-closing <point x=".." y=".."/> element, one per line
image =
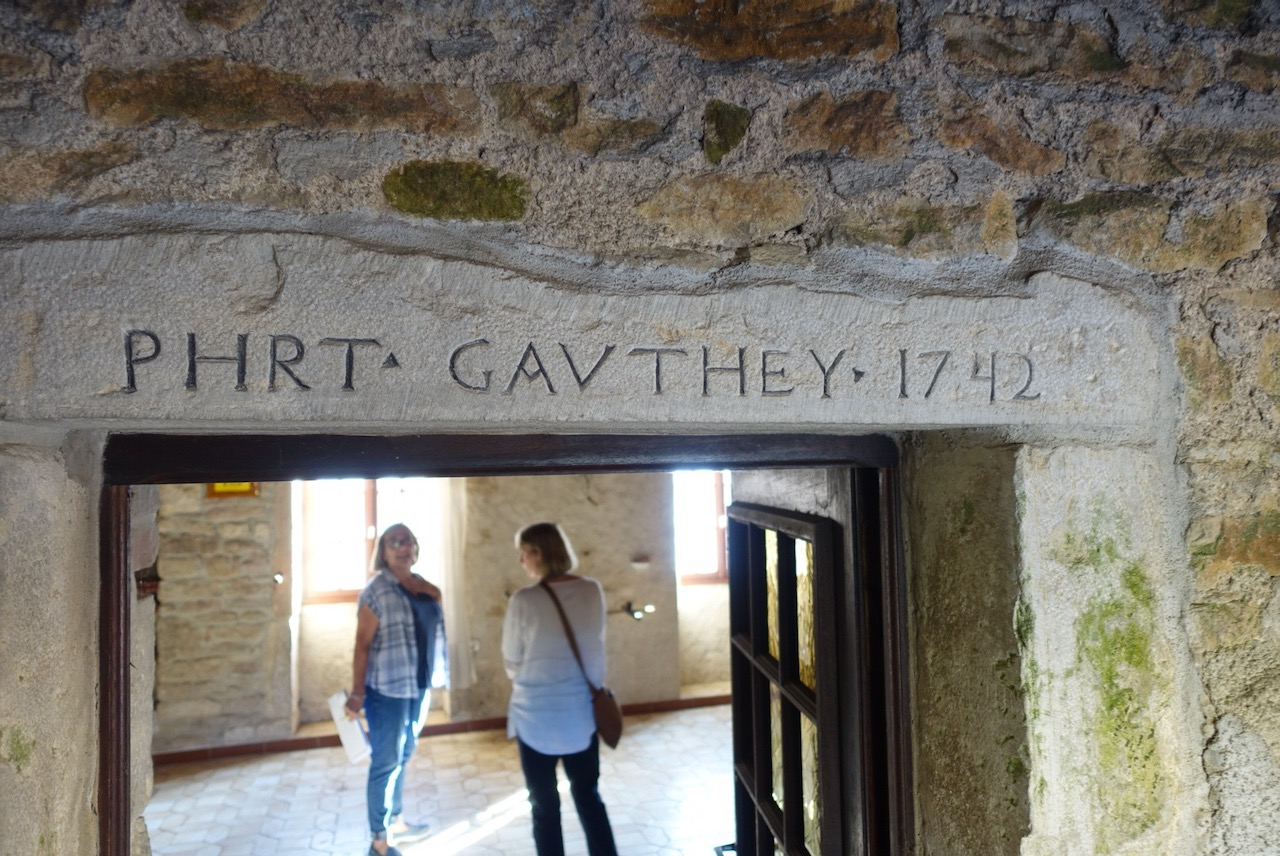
<point x="611" y="521"/>
<point x="704" y="633"/>
<point x="326" y="640"/>
<point x="1086" y="187"/>
<point x="968" y="706"/>
<point x="223" y="634"/>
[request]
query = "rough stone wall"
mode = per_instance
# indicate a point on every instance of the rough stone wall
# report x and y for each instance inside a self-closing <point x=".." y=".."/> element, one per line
<point x="611" y="520"/>
<point x="957" y="148"/>
<point x="968" y="707"/>
<point x="326" y="639"/>
<point x="1228" y="338"/>
<point x="1143" y="132"/>
<point x="223" y="641"/>
<point x="49" y="673"/>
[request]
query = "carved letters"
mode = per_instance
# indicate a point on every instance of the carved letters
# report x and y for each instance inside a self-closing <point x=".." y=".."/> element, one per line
<point x="509" y="369"/>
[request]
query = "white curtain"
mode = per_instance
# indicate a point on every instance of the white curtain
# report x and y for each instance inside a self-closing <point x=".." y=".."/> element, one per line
<point x="462" y="670"/>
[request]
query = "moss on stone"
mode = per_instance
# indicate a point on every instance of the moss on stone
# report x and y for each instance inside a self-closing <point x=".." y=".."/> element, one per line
<point x="1262" y="62"/>
<point x="1210" y="13"/>
<point x="229" y="14"/>
<point x="721" y="30"/>
<point x="1208" y="376"/>
<point x="18" y="749"/>
<point x="621" y="136"/>
<point x="1105" y="60"/>
<point x="965" y="515"/>
<point x="723" y="127"/>
<point x="450" y="190"/>
<point x="1115" y="639"/>
<point x="921" y="221"/>
<point x="1099" y="205"/>
<point x="223" y="95"/>
<point x="544" y="110"/>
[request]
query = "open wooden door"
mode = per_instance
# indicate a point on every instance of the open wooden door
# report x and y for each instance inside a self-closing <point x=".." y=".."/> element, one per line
<point x="821" y="757"/>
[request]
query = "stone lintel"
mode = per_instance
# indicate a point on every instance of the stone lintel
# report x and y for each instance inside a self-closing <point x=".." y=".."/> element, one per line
<point x="286" y="331"/>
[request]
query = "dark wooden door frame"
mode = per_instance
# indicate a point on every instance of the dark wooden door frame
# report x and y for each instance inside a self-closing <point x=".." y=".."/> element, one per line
<point x="139" y="458"/>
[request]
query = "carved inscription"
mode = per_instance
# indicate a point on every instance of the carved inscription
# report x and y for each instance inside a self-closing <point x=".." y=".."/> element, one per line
<point x="483" y="367"/>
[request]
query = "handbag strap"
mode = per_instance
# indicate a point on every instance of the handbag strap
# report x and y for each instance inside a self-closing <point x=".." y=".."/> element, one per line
<point x="568" y="631"/>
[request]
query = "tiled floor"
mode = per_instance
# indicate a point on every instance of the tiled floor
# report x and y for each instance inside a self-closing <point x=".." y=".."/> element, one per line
<point x="668" y="787"/>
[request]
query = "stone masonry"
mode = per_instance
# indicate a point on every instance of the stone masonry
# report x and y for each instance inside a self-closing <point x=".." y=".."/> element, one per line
<point x="1039" y="235"/>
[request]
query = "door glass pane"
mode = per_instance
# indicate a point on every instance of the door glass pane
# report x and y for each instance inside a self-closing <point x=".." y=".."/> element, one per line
<point x="775" y="739"/>
<point x="804" y="608"/>
<point x="771" y="579"/>
<point x="811" y="783"/>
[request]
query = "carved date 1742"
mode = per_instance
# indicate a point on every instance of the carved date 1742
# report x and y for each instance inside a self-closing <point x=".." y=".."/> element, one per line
<point x="483" y="367"/>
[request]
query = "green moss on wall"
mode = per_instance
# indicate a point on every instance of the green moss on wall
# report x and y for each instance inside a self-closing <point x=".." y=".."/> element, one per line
<point x="1114" y="637"/>
<point x="449" y="190"/>
<point x="18" y="749"/>
<point x="724" y="126"/>
<point x="1099" y="205"/>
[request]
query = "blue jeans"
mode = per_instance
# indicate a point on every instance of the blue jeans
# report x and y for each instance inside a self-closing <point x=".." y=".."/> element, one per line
<point x="583" y="770"/>
<point x="394" y="724"/>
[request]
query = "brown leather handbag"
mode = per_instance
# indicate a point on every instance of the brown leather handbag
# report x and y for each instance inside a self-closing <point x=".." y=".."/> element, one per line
<point x="603" y="703"/>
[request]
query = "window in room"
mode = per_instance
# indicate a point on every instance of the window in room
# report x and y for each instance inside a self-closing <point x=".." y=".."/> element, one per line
<point x="699" y="498"/>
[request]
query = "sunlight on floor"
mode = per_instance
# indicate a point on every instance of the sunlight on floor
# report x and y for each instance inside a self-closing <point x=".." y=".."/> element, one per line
<point x="668" y="788"/>
<point x="460" y="836"/>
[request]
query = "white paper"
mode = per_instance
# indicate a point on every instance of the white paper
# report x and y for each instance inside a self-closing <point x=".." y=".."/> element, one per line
<point x="355" y="740"/>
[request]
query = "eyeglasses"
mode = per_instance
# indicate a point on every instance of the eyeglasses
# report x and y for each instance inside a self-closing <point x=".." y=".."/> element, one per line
<point x="395" y="542"/>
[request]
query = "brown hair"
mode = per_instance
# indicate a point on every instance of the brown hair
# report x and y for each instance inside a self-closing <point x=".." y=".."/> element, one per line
<point x="379" y="562"/>
<point x="552" y="545"/>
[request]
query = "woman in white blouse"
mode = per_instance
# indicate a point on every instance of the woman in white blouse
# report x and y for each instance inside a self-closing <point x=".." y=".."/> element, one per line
<point x="550" y="711"/>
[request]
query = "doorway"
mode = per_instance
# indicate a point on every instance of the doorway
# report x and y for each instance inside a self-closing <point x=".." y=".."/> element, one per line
<point x="161" y="459"/>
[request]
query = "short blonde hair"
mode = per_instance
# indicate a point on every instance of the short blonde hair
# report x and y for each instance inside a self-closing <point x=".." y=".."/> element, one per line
<point x="552" y="545"/>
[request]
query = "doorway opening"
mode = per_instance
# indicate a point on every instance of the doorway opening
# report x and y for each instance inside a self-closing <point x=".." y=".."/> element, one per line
<point x="175" y="459"/>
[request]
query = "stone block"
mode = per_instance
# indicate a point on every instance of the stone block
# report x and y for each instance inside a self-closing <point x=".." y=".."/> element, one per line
<point x="614" y="135"/>
<point x="23" y="65"/>
<point x="1208" y="13"/>
<point x="1184" y="71"/>
<point x="1007" y="146"/>
<point x="1258" y="71"/>
<point x="723" y="30"/>
<point x="227" y="14"/>
<point x="533" y="111"/>
<point x="1209" y="377"/>
<point x="860" y="125"/>
<point x="1253" y="540"/>
<point x="1146" y="231"/>
<point x="1118" y="154"/>
<point x="727" y="210"/>
<point x="451" y="190"/>
<point x="30" y="175"/>
<point x="1021" y="48"/>
<point x="723" y="127"/>
<point x="916" y="229"/>
<point x="1193" y="152"/>
<point x="1269" y="365"/>
<point x="222" y="95"/>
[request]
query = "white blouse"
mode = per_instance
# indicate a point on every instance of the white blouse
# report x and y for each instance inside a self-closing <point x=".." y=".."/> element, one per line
<point x="550" y="709"/>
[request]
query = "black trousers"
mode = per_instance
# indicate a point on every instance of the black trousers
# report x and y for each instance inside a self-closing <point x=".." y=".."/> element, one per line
<point x="583" y="771"/>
